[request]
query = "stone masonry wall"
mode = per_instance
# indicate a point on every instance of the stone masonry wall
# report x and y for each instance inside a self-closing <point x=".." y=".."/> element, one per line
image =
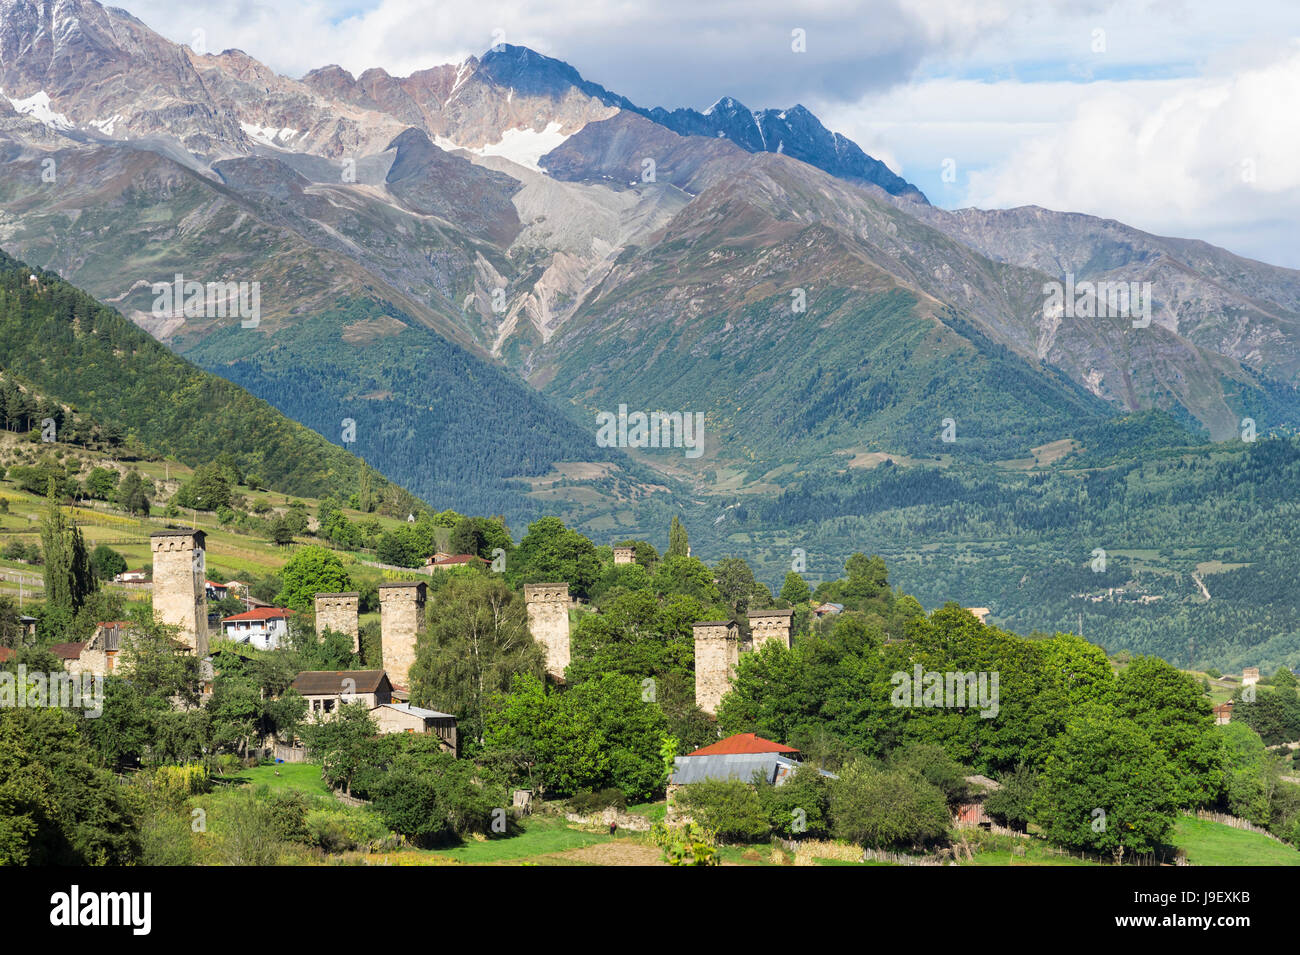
<point x="717" y="650"/>
<point x="401" y="621"/>
<point x="548" y="621"/>
<point x="765" y="625"/>
<point x="180" y="595"/>
<point x="338" y="612"/>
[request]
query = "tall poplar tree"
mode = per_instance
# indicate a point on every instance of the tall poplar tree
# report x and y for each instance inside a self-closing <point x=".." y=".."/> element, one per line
<point x="679" y="544"/>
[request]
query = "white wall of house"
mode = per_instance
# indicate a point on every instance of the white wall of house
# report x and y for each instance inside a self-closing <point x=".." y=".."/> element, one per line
<point x="263" y="634"/>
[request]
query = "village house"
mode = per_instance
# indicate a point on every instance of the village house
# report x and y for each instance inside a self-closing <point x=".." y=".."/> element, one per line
<point x="104" y="646"/>
<point x="405" y="718"/>
<point x="102" y="654"/>
<point x="441" y="561"/>
<point x="1250" y="676"/>
<point x="263" y="627"/>
<point x="132" y="577"/>
<point x="327" y="690"/>
<point x="737" y="757"/>
<point x="826" y="610"/>
<point x="1223" y="713"/>
<point x="970" y="813"/>
<point x="70" y="654"/>
<point x="215" y="590"/>
<point x="745" y="756"/>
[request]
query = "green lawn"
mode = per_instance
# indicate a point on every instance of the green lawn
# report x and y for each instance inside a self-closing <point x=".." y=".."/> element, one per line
<point x="304" y="777"/>
<point x="542" y="835"/>
<point x="1211" y="843"/>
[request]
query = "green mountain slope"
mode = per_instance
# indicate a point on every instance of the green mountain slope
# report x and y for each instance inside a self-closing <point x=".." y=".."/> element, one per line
<point x="460" y="428"/>
<point x="72" y="348"/>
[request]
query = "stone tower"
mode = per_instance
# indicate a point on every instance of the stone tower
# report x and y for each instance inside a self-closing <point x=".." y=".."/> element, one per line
<point x="548" y="621"/>
<point x="401" y="621"/>
<point x="338" y="612"/>
<point x="717" y="650"/>
<point x="180" y="595"/>
<point x="624" y="555"/>
<point x="765" y="625"/>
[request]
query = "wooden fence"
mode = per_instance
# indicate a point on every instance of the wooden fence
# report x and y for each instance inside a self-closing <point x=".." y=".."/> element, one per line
<point x="1224" y="819"/>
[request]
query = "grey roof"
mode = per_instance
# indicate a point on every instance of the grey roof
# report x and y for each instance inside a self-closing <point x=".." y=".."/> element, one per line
<point x="742" y="766"/>
<point x="417" y="711"/>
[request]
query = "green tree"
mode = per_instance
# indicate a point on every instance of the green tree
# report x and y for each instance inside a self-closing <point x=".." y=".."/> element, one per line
<point x="1169" y="705"/>
<point x="311" y="570"/>
<point x="208" y="489"/>
<point x="132" y="496"/>
<point x="1012" y="803"/>
<point x="1249" y="773"/>
<point x="679" y="544"/>
<point x="107" y="562"/>
<point x="550" y="551"/>
<point x="1106" y="787"/>
<point x="730" y="808"/>
<point x="477" y="640"/>
<point x="736" y="583"/>
<point x="57" y="806"/>
<point x="795" y="590"/>
<point x="886" y="808"/>
<point x="69" y="576"/>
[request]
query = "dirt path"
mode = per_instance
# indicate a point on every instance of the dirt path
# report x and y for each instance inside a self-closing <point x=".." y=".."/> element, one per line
<point x="618" y="852"/>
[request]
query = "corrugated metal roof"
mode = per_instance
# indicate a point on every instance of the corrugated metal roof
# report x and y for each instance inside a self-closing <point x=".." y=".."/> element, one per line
<point x="418" y="711"/>
<point x="741" y="766"/>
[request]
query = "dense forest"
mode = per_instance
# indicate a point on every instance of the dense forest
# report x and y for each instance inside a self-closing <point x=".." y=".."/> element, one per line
<point x="1114" y="538"/>
<point x="70" y="347"/>
<point x="457" y="428"/>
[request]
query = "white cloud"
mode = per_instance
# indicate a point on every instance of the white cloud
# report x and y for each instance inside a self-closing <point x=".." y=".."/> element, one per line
<point x="670" y="53"/>
<point x="1211" y="158"/>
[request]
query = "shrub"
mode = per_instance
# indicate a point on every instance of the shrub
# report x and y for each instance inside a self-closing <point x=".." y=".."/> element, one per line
<point x="886" y="808"/>
<point x="341" y="830"/>
<point x="598" y="800"/>
<point x="689" y="844"/>
<point x="175" y="784"/>
<point x="731" y="809"/>
<point x="798" y="807"/>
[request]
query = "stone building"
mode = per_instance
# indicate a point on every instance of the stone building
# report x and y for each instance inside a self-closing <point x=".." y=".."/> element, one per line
<point x="765" y="625"/>
<point x="338" y="612"/>
<point x="717" y="651"/>
<point x="624" y="555"/>
<point x="548" y="621"/>
<point x="180" y="596"/>
<point x="401" y="622"/>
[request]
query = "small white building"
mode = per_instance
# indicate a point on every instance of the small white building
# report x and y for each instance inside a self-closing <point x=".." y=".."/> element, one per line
<point x="263" y="627"/>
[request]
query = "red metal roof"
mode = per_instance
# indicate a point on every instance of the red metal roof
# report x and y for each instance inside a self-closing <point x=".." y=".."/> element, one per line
<point x="742" y="743"/>
<point x="261" y="613"/>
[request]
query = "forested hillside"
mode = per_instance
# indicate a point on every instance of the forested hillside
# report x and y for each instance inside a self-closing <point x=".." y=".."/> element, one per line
<point x="1126" y="538"/>
<point x="72" y="349"/>
<point x="458" y="428"/>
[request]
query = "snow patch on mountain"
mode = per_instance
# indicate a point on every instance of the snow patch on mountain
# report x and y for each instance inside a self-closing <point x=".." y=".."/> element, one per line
<point x="525" y="147"/>
<point x="38" y="107"/>
<point x="269" y="135"/>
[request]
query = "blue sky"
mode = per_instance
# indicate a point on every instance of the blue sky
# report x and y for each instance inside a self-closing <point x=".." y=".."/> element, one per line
<point x="1176" y="116"/>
